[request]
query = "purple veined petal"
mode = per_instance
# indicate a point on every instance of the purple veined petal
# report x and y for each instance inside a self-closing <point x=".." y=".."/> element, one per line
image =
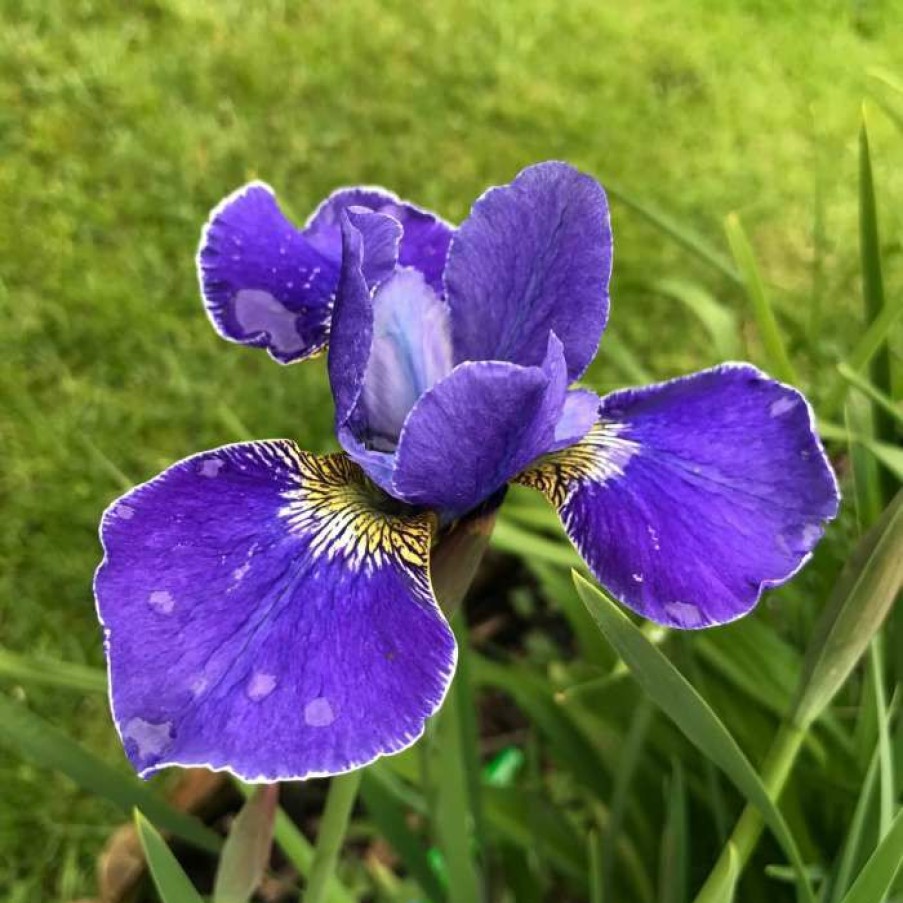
<point x="426" y="237"/>
<point x="269" y="284"/>
<point x="262" y="282"/>
<point x="266" y="615"/>
<point x="369" y="240"/>
<point x="477" y="428"/>
<point x="533" y="257"/>
<point x="690" y="497"/>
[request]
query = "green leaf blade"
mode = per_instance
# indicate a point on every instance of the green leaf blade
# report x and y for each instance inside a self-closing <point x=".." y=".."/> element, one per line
<point x="171" y="882"/>
<point x="683" y="705"/>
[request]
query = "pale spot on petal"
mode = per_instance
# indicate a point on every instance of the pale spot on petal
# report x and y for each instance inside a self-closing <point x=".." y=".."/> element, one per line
<point x="161" y="600"/>
<point x="260" y="685"/>
<point x="782" y="406"/>
<point x="150" y="738"/>
<point x="126" y="512"/>
<point x="259" y="311"/>
<point x="684" y="613"/>
<point x="318" y="712"/>
<point x="210" y="467"/>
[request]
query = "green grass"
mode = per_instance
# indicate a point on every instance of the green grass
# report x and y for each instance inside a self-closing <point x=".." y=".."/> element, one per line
<point x="118" y="131"/>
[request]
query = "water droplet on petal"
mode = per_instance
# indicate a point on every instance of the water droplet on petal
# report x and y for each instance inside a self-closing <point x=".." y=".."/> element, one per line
<point x="638" y="578"/>
<point x="125" y="512"/>
<point x="239" y="573"/>
<point x="260" y="685"/>
<point x="318" y="712"/>
<point x="161" y="600"/>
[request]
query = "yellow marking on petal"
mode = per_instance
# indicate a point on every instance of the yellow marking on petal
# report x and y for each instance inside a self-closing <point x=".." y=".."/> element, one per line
<point x="598" y="457"/>
<point x="347" y="515"/>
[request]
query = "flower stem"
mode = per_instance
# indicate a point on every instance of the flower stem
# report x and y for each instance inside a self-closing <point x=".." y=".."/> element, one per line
<point x="775" y="771"/>
<point x="339" y="803"/>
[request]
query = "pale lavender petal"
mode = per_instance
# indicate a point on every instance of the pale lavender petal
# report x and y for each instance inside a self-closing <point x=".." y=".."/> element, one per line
<point x="533" y="257"/>
<point x="581" y="408"/>
<point x="690" y="497"/>
<point x="265" y="614"/>
<point x="411" y="352"/>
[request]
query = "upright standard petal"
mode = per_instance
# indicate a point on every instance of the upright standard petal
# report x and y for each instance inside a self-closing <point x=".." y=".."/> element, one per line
<point x="269" y="613"/>
<point x="691" y="497"/>
<point x="533" y="257"/>
<point x="268" y="284"/>
<point x="477" y="428"/>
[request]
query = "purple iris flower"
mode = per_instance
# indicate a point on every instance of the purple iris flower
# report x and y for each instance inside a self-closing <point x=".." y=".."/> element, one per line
<point x="271" y="613"/>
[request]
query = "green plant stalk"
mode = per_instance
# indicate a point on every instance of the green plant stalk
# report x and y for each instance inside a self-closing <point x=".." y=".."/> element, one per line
<point x="775" y="771"/>
<point x="339" y="803"/>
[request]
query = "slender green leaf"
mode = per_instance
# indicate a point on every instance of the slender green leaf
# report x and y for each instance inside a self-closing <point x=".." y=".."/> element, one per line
<point x="596" y="854"/>
<point x="47" y="746"/>
<point x="891" y="456"/>
<point x="51" y="672"/>
<point x="683" y="705"/>
<point x="857" y="416"/>
<point x="631" y="753"/>
<point x="528" y="544"/>
<point x="171" y="882"/>
<point x="885" y="752"/>
<point x="685" y="237"/>
<point x="722" y="884"/>
<point x="717" y="319"/>
<point x="894" y="411"/>
<point x="675" y="851"/>
<point x="299" y="851"/>
<point x="618" y="353"/>
<point x="454" y="821"/>
<point x="246" y="852"/>
<point x="855" y="835"/>
<point x="854" y="613"/>
<point x="389" y="814"/>
<point x="772" y="341"/>
<point x="873" y="294"/>
<point x="331" y="834"/>
<point x="525" y="819"/>
<point x="877" y="876"/>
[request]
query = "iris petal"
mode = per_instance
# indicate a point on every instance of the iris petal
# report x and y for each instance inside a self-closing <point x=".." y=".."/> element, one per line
<point x="477" y="428"/>
<point x="263" y="284"/>
<point x="533" y="257"/>
<point x="267" y="615"/>
<point x="691" y="497"/>
<point x="269" y="284"/>
<point x="411" y="352"/>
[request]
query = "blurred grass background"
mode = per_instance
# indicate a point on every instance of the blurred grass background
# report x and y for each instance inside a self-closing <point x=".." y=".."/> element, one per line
<point x="120" y="126"/>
